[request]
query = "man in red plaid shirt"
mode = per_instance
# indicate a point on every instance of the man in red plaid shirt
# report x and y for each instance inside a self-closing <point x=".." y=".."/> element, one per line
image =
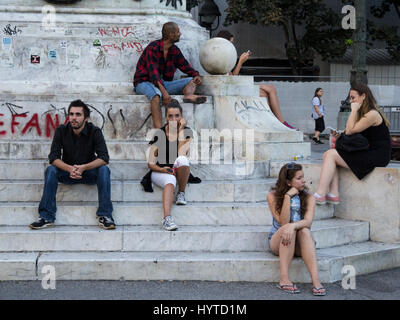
<point x="155" y="72"/>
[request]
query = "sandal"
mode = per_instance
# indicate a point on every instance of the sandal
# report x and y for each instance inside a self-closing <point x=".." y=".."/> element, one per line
<point x="317" y="291"/>
<point x="289" y="288"/>
<point x="198" y="100"/>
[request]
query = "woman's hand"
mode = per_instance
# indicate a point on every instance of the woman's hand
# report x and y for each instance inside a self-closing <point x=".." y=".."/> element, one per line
<point x="292" y="192"/>
<point x="167" y="170"/>
<point x="244" y="57"/>
<point x="182" y="124"/>
<point x="287" y="234"/>
<point x="355" y="106"/>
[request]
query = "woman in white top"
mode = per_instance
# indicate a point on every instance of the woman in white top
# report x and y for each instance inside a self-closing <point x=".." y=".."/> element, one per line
<point x="318" y="113"/>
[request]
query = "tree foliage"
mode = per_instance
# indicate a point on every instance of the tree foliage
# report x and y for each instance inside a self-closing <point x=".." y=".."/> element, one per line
<point x="309" y="26"/>
<point x="389" y="34"/>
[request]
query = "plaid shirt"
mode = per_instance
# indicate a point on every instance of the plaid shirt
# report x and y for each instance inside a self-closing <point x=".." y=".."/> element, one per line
<point x="152" y="67"/>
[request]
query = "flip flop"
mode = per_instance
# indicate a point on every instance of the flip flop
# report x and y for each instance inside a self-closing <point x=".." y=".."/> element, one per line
<point x="198" y="100"/>
<point x="289" y="288"/>
<point x="316" y="291"/>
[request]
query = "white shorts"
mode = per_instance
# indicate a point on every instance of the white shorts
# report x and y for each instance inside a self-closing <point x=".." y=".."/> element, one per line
<point x="162" y="179"/>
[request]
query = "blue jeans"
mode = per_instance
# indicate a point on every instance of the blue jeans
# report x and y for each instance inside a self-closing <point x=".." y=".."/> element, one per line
<point x="173" y="87"/>
<point x="53" y="175"/>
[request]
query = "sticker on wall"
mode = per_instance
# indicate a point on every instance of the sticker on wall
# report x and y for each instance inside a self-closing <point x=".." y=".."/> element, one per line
<point x="7" y="59"/>
<point x="6" y="44"/>
<point x="74" y="56"/>
<point x="96" y="43"/>
<point x="63" y="44"/>
<point x="36" y="55"/>
<point x="35" y="59"/>
<point x="53" y="55"/>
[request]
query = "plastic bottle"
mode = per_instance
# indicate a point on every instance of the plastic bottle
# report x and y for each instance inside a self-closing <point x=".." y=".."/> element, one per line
<point x="298" y="157"/>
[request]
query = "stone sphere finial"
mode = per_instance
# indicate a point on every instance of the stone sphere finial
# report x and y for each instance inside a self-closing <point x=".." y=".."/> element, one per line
<point x="218" y="56"/>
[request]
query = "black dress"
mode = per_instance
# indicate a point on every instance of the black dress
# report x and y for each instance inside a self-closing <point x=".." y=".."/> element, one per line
<point x="377" y="155"/>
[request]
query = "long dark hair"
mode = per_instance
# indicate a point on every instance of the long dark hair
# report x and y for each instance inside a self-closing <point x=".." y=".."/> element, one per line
<point x="369" y="102"/>
<point x="281" y="187"/>
<point x="315" y="95"/>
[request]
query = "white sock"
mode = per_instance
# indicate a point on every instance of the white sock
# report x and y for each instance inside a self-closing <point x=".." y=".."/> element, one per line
<point x="316" y="195"/>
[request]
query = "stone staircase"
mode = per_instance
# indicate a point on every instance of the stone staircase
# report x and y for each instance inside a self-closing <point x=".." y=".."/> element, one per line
<point x="221" y="237"/>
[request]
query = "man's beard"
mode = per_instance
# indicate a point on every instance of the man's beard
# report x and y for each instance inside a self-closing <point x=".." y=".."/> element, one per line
<point x="77" y="125"/>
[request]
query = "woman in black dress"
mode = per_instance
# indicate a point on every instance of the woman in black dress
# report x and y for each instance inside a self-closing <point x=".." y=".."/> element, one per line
<point x="367" y="119"/>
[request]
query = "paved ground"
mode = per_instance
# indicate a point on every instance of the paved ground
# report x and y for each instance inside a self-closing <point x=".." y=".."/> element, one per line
<point x="384" y="285"/>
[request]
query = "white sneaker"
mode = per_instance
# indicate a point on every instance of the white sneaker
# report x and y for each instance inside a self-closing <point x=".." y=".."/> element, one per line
<point x="180" y="198"/>
<point x="169" y="224"/>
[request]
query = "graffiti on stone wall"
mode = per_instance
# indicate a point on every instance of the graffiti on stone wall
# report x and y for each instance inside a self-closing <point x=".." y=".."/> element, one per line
<point x="244" y="106"/>
<point x="119" y="46"/>
<point x="20" y="121"/>
<point x="11" y="31"/>
<point x="173" y="3"/>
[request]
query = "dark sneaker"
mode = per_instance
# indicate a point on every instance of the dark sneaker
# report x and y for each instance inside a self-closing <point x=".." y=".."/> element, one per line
<point x="41" y="224"/>
<point x="106" y="223"/>
<point x="319" y="141"/>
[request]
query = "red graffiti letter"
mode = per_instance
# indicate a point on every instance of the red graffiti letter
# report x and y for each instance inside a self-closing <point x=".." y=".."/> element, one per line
<point x="139" y="47"/>
<point x="2" y="133"/>
<point x="102" y="32"/>
<point x="49" y="122"/>
<point x="115" y="31"/>
<point x="15" y="123"/>
<point x="34" y="122"/>
<point x="126" y="31"/>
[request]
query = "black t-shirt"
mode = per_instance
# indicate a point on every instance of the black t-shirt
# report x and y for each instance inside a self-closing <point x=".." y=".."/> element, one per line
<point x="168" y="150"/>
<point x="73" y="149"/>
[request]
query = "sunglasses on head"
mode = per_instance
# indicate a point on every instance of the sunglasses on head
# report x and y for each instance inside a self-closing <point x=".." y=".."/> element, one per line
<point x="289" y="166"/>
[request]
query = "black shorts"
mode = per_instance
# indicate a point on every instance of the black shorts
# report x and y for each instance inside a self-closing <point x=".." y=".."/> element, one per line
<point x="319" y="124"/>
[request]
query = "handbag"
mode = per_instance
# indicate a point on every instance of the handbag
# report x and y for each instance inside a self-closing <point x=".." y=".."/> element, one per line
<point x="351" y="143"/>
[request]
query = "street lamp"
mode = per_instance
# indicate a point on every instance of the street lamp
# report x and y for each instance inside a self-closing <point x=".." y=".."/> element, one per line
<point x="208" y="12"/>
<point x="359" y="68"/>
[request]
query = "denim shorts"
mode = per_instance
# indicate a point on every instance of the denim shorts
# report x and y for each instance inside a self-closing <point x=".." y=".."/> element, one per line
<point x="173" y="87"/>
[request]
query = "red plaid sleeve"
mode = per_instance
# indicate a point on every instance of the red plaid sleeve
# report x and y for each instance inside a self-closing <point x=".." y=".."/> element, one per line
<point x="152" y="64"/>
<point x="182" y="64"/>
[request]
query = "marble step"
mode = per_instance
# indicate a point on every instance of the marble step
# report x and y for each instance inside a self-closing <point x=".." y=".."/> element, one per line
<point x="365" y="257"/>
<point x="327" y="233"/>
<point x="151" y="213"/>
<point x="204" y="153"/>
<point x="135" y="170"/>
<point x="132" y="191"/>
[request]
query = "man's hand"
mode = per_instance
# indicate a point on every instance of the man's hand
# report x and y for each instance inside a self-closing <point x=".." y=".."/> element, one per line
<point x="197" y="80"/>
<point x="77" y="171"/>
<point x="74" y="173"/>
<point x="80" y="169"/>
<point x="166" y="99"/>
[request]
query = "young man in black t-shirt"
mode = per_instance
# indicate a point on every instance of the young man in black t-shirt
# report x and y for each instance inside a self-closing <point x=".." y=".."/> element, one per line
<point x="78" y="155"/>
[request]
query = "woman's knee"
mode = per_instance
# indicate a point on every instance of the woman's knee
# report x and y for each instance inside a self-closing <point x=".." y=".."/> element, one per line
<point x="182" y="161"/>
<point x="304" y="233"/>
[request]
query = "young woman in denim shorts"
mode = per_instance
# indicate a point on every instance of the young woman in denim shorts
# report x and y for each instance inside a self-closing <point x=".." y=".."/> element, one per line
<point x="292" y="209"/>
